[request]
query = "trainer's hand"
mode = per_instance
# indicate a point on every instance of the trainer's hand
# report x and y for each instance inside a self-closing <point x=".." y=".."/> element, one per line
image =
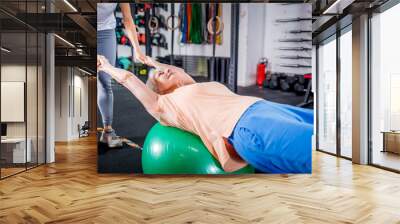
<point x="102" y="63"/>
<point x="140" y="56"/>
<point x="150" y="61"/>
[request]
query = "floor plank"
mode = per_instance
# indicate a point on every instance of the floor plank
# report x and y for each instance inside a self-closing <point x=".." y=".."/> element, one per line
<point x="71" y="191"/>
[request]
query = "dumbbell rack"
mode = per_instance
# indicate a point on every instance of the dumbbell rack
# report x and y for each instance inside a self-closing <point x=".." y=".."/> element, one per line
<point x="292" y="57"/>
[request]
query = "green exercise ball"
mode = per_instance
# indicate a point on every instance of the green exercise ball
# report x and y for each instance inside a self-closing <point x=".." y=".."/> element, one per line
<point x="169" y="150"/>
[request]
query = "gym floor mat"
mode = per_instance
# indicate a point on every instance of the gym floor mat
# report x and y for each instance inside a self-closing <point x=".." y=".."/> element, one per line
<point x="120" y="160"/>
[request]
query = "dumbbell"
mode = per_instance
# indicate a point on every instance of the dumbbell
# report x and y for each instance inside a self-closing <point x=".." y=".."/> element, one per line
<point x="266" y="83"/>
<point x="287" y="83"/>
<point x="274" y="81"/>
<point x="119" y="22"/>
<point x="300" y="79"/>
<point x="291" y="80"/>
<point x="140" y="21"/>
<point x="124" y="40"/>
<point x="119" y="33"/>
<point x="284" y="85"/>
<point x="141" y="38"/>
<point x="299" y="89"/>
<point x="124" y="63"/>
<point x="159" y="40"/>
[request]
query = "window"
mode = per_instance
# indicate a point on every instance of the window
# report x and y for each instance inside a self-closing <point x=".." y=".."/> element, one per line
<point x="385" y="89"/>
<point x="346" y="93"/>
<point x="22" y="78"/>
<point x="327" y="96"/>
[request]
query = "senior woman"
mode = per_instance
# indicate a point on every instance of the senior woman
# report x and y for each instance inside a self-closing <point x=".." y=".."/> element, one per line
<point x="237" y="130"/>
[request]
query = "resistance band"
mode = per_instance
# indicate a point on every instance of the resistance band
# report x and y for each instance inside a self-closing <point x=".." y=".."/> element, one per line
<point x="194" y="18"/>
<point x="195" y="30"/>
<point x="184" y="23"/>
<point x="189" y="21"/>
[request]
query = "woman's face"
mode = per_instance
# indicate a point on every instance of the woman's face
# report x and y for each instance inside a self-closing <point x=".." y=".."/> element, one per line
<point x="171" y="78"/>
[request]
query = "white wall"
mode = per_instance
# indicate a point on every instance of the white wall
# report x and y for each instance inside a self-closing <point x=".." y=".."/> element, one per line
<point x="70" y="84"/>
<point x="251" y="41"/>
<point x="61" y="103"/>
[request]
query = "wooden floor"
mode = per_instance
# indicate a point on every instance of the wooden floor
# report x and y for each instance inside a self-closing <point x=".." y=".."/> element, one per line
<point x="10" y="171"/>
<point x="387" y="159"/>
<point x="71" y="191"/>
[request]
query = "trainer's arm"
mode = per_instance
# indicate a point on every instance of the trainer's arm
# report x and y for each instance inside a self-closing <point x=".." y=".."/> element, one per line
<point x="130" y="31"/>
<point x="144" y="94"/>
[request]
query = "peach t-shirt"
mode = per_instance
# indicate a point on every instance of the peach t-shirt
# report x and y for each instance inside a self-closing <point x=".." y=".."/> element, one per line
<point x="209" y="110"/>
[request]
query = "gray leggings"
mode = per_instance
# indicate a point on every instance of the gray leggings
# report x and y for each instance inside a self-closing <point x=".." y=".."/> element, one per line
<point x="106" y="46"/>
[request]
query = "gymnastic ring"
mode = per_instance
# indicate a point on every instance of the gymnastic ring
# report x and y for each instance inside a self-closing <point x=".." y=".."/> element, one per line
<point x="153" y="28"/>
<point x="220" y="27"/>
<point x="176" y="26"/>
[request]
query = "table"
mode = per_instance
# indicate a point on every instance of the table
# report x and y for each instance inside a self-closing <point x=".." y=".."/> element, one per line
<point x="13" y="150"/>
<point x="391" y="141"/>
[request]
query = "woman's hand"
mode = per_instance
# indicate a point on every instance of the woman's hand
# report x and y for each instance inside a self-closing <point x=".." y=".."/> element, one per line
<point x="119" y="75"/>
<point x="102" y="63"/>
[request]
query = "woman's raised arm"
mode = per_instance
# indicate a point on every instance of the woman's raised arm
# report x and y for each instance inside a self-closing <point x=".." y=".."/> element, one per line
<point x="158" y="65"/>
<point x="144" y="94"/>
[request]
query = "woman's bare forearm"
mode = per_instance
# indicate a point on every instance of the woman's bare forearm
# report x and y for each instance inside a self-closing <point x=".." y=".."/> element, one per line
<point x="161" y="66"/>
<point x="130" y="27"/>
<point x="145" y="95"/>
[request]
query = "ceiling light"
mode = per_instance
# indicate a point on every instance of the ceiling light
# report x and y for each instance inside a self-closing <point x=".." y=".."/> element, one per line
<point x="5" y="50"/>
<point x="326" y="11"/>
<point x="65" y="41"/>
<point x="70" y="5"/>
<point x="338" y="6"/>
<point x="84" y="71"/>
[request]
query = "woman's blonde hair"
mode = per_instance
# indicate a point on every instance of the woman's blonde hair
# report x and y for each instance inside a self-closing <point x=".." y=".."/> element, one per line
<point x="152" y="83"/>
